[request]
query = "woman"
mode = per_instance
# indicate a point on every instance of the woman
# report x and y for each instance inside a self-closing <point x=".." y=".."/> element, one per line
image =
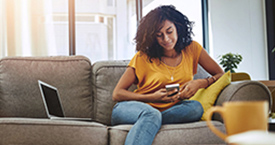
<point x="166" y="55"/>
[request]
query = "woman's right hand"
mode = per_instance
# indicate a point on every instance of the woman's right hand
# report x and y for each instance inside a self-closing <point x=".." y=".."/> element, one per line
<point x="161" y="96"/>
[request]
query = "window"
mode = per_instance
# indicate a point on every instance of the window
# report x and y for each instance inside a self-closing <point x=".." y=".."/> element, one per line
<point x="110" y="36"/>
<point x="104" y="29"/>
<point x="33" y="28"/>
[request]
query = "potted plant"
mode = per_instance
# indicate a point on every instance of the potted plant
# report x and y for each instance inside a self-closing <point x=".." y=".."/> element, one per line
<point x="230" y="61"/>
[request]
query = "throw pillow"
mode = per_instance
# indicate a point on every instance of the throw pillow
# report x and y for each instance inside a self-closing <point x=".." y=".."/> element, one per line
<point x="208" y="96"/>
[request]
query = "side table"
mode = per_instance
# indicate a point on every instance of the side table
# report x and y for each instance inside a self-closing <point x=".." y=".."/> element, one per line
<point x="271" y="125"/>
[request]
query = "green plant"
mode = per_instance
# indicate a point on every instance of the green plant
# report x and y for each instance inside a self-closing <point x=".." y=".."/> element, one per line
<point x="273" y="50"/>
<point x="230" y="61"/>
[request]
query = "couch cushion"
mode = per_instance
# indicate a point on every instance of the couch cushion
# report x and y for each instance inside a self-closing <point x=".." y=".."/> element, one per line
<point x="105" y="77"/>
<point x="19" y="91"/>
<point x="51" y="132"/>
<point x="201" y="73"/>
<point x="176" y="134"/>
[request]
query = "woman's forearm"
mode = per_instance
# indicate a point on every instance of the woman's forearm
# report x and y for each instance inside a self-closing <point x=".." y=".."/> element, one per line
<point x="125" y="95"/>
<point x="210" y="80"/>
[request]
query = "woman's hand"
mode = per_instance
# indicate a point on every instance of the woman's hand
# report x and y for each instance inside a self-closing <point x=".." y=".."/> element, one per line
<point x="190" y="88"/>
<point x="162" y="96"/>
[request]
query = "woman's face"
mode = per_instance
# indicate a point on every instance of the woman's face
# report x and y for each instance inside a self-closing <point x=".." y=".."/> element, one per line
<point x="167" y="35"/>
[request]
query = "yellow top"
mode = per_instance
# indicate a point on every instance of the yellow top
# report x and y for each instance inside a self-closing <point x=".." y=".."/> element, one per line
<point x="154" y="76"/>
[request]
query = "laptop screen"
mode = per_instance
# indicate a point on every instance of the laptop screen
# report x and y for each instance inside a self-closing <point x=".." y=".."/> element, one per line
<point x="52" y="101"/>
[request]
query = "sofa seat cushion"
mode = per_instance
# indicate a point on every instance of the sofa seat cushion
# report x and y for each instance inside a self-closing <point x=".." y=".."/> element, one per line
<point x="51" y="132"/>
<point x="174" y="134"/>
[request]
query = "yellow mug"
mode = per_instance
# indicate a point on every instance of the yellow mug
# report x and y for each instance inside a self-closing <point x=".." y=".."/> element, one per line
<point x="240" y="117"/>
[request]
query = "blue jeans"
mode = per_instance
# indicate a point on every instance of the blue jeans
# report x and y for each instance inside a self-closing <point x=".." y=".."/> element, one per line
<point x="147" y="120"/>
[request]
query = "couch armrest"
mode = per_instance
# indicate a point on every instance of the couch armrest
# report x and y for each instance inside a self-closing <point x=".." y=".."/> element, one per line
<point x="243" y="91"/>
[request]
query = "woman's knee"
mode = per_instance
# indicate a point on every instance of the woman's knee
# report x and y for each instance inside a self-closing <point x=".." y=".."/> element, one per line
<point x="152" y="114"/>
<point x="197" y="107"/>
<point x="129" y="112"/>
<point x="149" y="114"/>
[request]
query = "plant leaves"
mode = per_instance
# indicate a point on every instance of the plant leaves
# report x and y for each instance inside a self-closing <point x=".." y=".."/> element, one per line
<point x="230" y="61"/>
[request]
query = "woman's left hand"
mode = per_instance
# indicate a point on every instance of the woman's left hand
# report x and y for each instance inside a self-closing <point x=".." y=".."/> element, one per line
<point x="190" y="88"/>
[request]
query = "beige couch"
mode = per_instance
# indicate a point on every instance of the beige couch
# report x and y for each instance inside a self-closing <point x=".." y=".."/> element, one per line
<point x="85" y="89"/>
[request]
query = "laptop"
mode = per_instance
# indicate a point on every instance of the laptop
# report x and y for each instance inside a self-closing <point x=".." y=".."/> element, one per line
<point x="52" y="102"/>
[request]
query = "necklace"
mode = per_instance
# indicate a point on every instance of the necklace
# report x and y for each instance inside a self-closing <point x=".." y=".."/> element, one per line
<point x="170" y="73"/>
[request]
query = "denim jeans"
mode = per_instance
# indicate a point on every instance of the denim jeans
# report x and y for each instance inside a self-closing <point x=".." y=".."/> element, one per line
<point x="147" y="120"/>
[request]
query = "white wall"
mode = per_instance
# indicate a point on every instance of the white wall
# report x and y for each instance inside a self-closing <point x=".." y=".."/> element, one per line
<point x="238" y="26"/>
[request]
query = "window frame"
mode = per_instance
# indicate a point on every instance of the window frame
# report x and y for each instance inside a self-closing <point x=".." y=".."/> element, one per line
<point x="270" y="31"/>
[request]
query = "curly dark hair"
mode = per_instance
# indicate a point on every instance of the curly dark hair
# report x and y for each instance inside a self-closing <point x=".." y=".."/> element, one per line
<point x="146" y="33"/>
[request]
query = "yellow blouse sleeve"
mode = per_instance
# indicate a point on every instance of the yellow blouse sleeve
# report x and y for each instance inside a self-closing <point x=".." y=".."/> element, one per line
<point x="195" y="49"/>
<point x="138" y="62"/>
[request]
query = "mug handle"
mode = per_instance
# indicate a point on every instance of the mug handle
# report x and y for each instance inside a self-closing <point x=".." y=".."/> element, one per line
<point x="209" y="114"/>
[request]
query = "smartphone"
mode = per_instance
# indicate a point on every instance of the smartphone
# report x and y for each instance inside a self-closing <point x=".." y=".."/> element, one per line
<point x="172" y="87"/>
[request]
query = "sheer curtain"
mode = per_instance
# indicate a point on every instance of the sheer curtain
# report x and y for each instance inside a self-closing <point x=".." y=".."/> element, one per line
<point x="26" y="28"/>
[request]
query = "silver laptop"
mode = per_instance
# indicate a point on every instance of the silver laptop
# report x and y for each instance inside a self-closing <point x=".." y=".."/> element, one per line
<point x="52" y="102"/>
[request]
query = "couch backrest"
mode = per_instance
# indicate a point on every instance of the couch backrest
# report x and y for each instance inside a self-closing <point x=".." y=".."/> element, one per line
<point x="105" y="77"/>
<point x="201" y="73"/>
<point x="19" y="91"/>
